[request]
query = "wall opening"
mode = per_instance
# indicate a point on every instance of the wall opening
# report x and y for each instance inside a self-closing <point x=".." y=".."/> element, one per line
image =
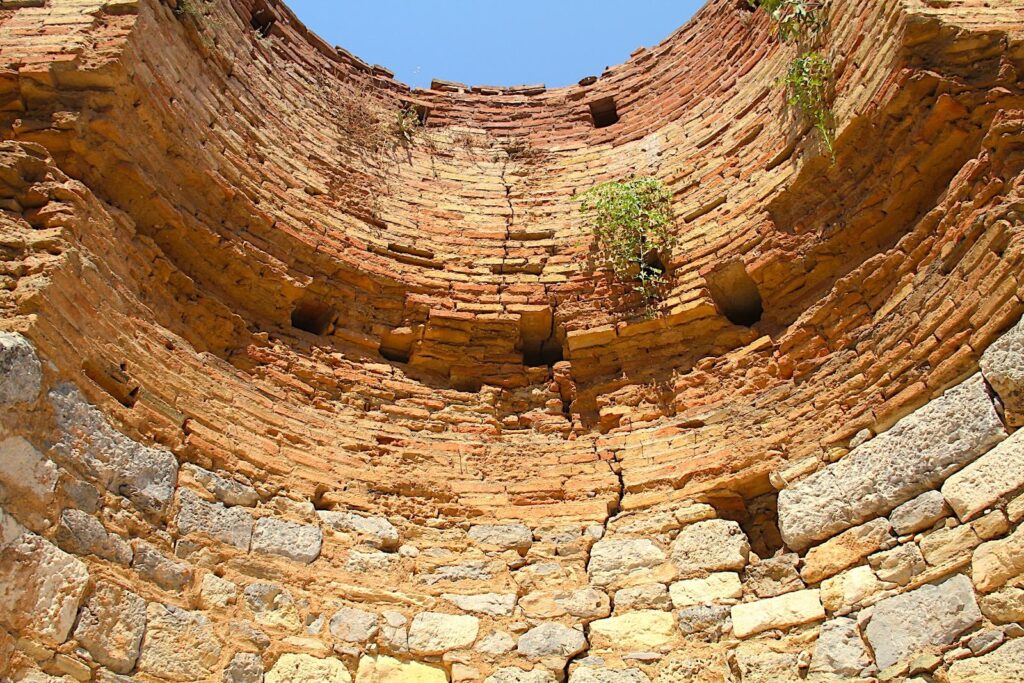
<point x="541" y="355"/>
<point x="312" y="316"/>
<point x="263" y="19"/>
<point x="735" y="294"/>
<point x="422" y="113"/>
<point x="604" y="113"/>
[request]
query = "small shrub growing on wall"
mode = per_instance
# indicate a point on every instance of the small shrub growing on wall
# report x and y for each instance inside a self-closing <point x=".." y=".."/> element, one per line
<point x="808" y="81"/>
<point x="631" y="221"/>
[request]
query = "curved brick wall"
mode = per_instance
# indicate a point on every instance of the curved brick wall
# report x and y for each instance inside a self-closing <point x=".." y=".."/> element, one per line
<point x="289" y="397"/>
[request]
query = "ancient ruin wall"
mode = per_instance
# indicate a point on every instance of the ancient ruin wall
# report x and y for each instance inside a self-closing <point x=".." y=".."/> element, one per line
<point x="291" y="395"/>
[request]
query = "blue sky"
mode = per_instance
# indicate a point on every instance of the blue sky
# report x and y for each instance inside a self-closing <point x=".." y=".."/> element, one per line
<point x="491" y="42"/>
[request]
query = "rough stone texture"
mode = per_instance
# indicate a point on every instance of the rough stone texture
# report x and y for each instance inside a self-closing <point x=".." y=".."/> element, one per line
<point x="378" y="531"/>
<point x="1004" y="606"/>
<point x="617" y="561"/>
<point x="387" y="670"/>
<point x="244" y="667"/>
<point x="215" y="592"/>
<point x="272" y="605"/>
<point x="516" y="537"/>
<point x="299" y="542"/>
<point x="705" y="621"/>
<point x="144" y="475"/>
<point x="850" y="589"/>
<point x="646" y="596"/>
<point x="714" y="588"/>
<point x="784" y="611"/>
<point x="111" y="626"/>
<point x="917" y="454"/>
<point x="20" y="371"/>
<point x="845" y="550"/>
<point x="233" y="526"/>
<point x="586" y="674"/>
<point x="996" y="562"/>
<point x="24" y="470"/>
<point x="354" y="625"/>
<point x="433" y="633"/>
<point x="773" y="576"/>
<point x="490" y="604"/>
<point x="931" y="615"/>
<point x="179" y="645"/>
<point x="153" y="565"/>
<point x="300" y="668"/>
<point x="512" y="674"/>
<point x="992" y="476"/>
<point x="899" y="565"/>
<point x="83" y="534"/>
<point x="1003" y="665"/>
<point x="551" y="640"/>
<point x="1003" y="367"/>
<point x="841" y="651"/>
<point x="227" y="491"/>
<point x="40" y="589"/>
<point x="643" y="630"/>
<point x="713" y="545"/>
<point x="919" y="513"/>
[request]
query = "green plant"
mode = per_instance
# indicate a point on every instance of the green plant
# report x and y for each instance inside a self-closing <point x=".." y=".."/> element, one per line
<point x="800" y="21"/>
<point x="808" y="84"/>
<point x="407" y="124"/>
<point x="631" y="221"/>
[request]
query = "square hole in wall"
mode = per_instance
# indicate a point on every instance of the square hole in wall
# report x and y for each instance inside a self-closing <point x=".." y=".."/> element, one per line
<point x="604" y="113"/>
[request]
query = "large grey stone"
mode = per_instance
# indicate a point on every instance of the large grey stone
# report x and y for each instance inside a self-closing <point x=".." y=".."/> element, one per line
<point x="917" y="454"/>
<point x="41" y="588"/>
<point x="982" y="483"/>
<point x="244" y="667"/>
<point x="377" y="531"/>
<point x="644" y="596"/>
<point x="299" y="542"/>
<point x="919" y="513"/>
<point x="153" y="565"/>
<point x="272" y="605"/>
<point x="83" y="534"/>
<point x="179" y="645"/>
<point x="21" y="374"/>
<point x="705" y="622"/>
<point x="227" y="491"/>
<point x="490" y="604"/>
<point x="630" y="560"/>
<point x="25" y="471"/>
<point x="10" y="528"/>
<point x="228" y="525"/>
<point x="354" y="625"/>
<point x="516" y="537"/>
<point x="145" y="476"/>
<point x="773" y="576"/>
<point x="841" y="651"/>
<point x="931" y="615"/>
<point x="713" y="545"/>
<point x="551" y="640"/>
<point x="434" y="633"/>
<point x="111" y="626"/>
<point x="1003" y="367"/>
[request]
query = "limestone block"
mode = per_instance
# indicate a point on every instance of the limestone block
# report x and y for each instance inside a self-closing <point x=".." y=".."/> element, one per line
<point x="705" y="622"/>
<point x="216" y="593"/>
<point x="299" y="542"/>
<point x="233" y="526"/>
<point x="644" y="630"/>
<point x="850" y="589"/>
<point x="784" y="611"/>
<point x="585" y="604"/>
<point x="987" y="479"/>
<point x="227" y="491"/>
<point x="272" y="606"/>
<point x="496" y="644"/>
<point x="490" y="604"/>
<point x="10" y="529"/>
<point x="83" y="534"/>
<point x="845" y="550"/>
<point x="931" y="615"/>
<point x="626" y="561"/>
<point x="1003" y="665"/>
<point x="996" y="562"/>
<point x="644" y="596"/>
<point x="516" y="537"/>
<point x="244" y="667"/>
<point x="354" y="625"/>
<point x="361" y="562"/>
<point x="301" y="668"/>
<point x="111" y="626"/>
<point x="714" y="588"/>
<point x="919" y="513"/>
<point x="21" y="374"/>
<point x="916" y="455"/>
<point x="153" y="565"/>
<point x="434" y="633"/>
<point x="24" y="471"/>
<point x="773" y="576"/>
<point x="1003" y="367"/>
<point x="178" y="645"/>
<point x="944" y="545"/>
<point x="1003" y="606"/>
<point x="588" y="674"/>
<point x="145" y="476"/>
<point x="551" y="640"/>
<point x="511" y="674"/>
<point x="41" y="588"/>
<point x="713" y="545"/>
<point x="899" y="565"/>
<point x="383" y="669"/>
<point x="760" y="663"/>
<point x="377" y="531"/>
<point x="841" y="651"/>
